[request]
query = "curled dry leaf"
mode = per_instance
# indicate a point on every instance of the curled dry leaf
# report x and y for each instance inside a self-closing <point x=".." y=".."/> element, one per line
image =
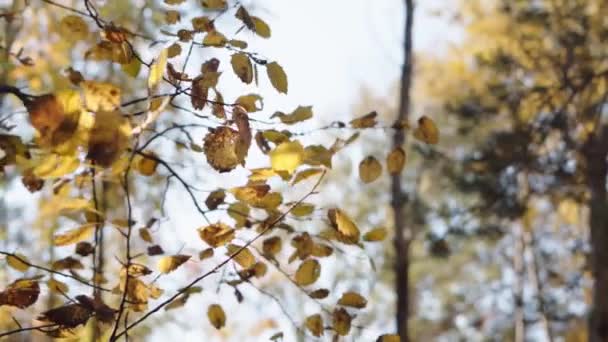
<point x="345" y="227"/>
<point x="222" y="149"/>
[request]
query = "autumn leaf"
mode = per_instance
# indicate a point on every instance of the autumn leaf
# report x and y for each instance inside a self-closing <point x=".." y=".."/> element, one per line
<point x="287" y="156"/>
<point x="217" y="234"/>
<point x="261" y="28"/>
<point x="301" y="113"/>
<point x="241" y="65"/>
<point x="427" y="131"/>
<point x="319" y="294"/>
<point x="170" y="263"/>
<point x="395" y="161"/>
<point x="366" y="121"/>
<point x="214" y="4"/>
<point x="314" y="324"/>
<point x="216" y="316"/>
<point x="352" y="299"/>
<point x="21" y="293"/>
<point x="341" y="321"/>
<point x="388" y="338"/>
<point x="369" y="169"/>
<point x="215" y="39"/>
<point x="18" y="262"/>
<point x="277" y="77"/>
<point x="74" y="28"/>
<point x="272" y="246"/>
<point x="308" y="272"/>
<point x="346" y="228"/>
<point x="57" y="286"/>
<point x="376" y="234"/>
<point x="157" y="70"/>
<point x="241" y="256"/>
<point x="75" y="235"/>
<point x="221" y="149"/>
<point x="250" y="102"/>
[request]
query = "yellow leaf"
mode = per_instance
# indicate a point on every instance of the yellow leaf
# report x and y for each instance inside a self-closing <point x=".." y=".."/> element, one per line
<point x="132" y="68"/>
<point x="389" y="338"/>
<point x="239" y="212"/>
<point x="100" y="96"/>
<point x="146" y="166"/>
<point x="305" y="174"/>
<point x="17" y="262"/>
<point x="57" y="286"/>
<point x="144" y="234"/>
<point x="369" y="169"/>
<point x="56" y="166"/>
<point x="251" y="102"/>
<point x="427" y="131"/>
<point x="376" y="234"/>
<point x="277" y="77"/>
<point x="352" y="299"/>
<point x="299" y="114"/>
<point x="214" y="4"/>
<point x="314" y="324"/>
<point x="366" y="121"/>
<point x="214" y="38"/>
<point x="316" y="155"/>
<point x="170" y="263"/>
<point x="261" y="28"/>
<point x="348" y="231"/>
<point x="242" y="67"/>
<point x="157" y="70"/>
<point x="217" y="234"/>
<point x="287" y="156"/>
<point x="244" y="258"/>
<point x="308" y="272"/>
<point x="395" y="161"/>
<point x="303" y="209"/>
<point x="73" y="28"/>
<point x="74" y="236"/>
<point x="172" y="17"/>
<point x="216" y="316"/>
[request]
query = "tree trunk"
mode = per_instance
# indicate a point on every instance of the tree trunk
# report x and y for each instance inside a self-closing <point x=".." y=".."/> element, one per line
<point x="399" y="199"/>
<point x="595" y="153"/>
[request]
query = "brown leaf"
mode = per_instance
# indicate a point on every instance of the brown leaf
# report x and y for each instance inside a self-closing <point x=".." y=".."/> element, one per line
<point x="222" y="149"/>
<point x="427" y="131"/>
<point x="341" y="321"/>
<point x="395" y="161"/>
<point x="366" y="121"/>
<point x="214" y="199"/>
<point x="319" y="294"/>
<point x="272" y="246"/>
<point x="20" y="293"/>
<point x="314" y="324"/>
<point x="70" y="316"/>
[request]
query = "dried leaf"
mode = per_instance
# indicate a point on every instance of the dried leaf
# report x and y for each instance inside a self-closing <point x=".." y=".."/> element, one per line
<point x="388" y="338"/>
<point x="305" y="174"/>
<point x="221" y="149"/>
<point x="20" y="293"/>
<point x="319" y="294"/>
<point x="346" y="228"/>
<point x="251" y="102"/>
<point x="70" y="316"/>
<point x="301" y="113"/>
<point x="214" y="4"/>
<point x="272" y="246"/>
<point x="144" y="234"/>
<point x="214" y="199"/>
<point x="215" y="39"/>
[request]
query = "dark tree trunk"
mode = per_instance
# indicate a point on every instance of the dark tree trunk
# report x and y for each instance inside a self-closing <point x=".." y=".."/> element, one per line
<point x="399" y="199"/>
<point x="595" y="152"/>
